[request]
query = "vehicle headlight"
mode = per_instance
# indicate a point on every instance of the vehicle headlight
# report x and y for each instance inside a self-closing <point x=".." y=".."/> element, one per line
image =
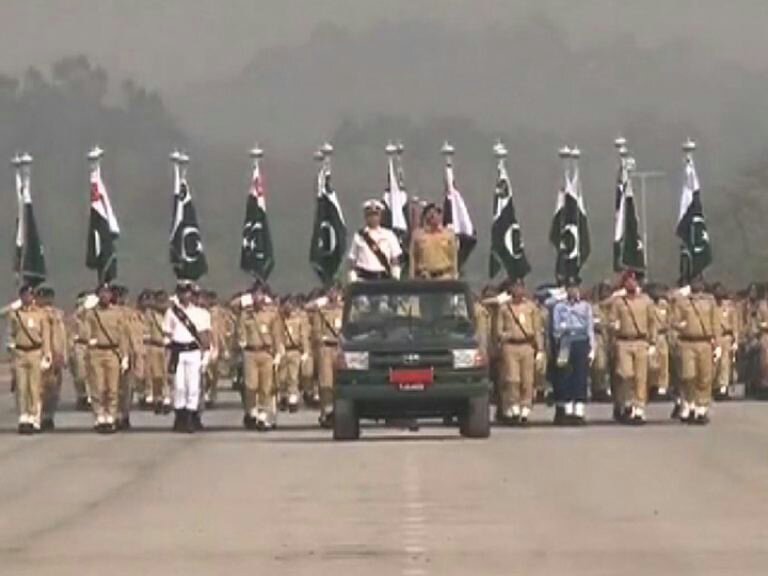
<point x="355" y="360"/>
<point x="469" y="358"/>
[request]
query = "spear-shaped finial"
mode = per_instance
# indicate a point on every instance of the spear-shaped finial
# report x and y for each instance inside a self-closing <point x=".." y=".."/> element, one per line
<point x="499" y="150"/>
<point x="256" y="152"/>
<point x="95" y="154"/>
<point x="689" y="146"/>
<point x="390" y="149"/>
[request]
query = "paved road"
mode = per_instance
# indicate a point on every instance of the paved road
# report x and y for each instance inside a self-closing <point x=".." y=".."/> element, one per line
<point x="665" y="499"/>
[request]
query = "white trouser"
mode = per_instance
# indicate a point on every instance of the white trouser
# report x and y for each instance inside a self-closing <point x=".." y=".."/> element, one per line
<point x="186" y="381"/>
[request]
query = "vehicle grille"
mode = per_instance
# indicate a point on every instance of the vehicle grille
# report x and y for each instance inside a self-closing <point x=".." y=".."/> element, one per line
<point x="386" y="360"/>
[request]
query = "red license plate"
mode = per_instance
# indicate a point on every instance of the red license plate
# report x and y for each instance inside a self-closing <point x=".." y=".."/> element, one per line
<point x="412" y="380"/>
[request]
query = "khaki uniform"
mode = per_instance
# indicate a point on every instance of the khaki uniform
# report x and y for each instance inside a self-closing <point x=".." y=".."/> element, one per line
<point x="30" y="341"/>
<point x="260" y="338"/>
<point x="633" y="321"/>
<point x="326" y="332"/>
<point x="107" y="336"/>
<point x="699" y="325"/>
<point x="53" y="377"/>
<point x="728" y="341"/>
<point x="434" y="255"/>
<point x="307" y="376"/>
<point x="658" y="366"/>
<point x="296" y="337"/>
<point x="542" y="385"/>
<point x="78" y="349"/>
<point x="599" y="369"/>
<point x="155" y="366"/>
<point x="219" y="344"/>
<point x="520" y="336"/>
<point x="133" y="379"/>
<point x="754" y="326"/>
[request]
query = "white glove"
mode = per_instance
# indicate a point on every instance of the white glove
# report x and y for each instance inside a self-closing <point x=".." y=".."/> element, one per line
<point x="539" y="357"/>
<point x="124" y="364"/>
<point x="396" y="272"/>
<point x="214" y="353"/>
<point x="206" y="359"/>
<point x="735" y="347"/>
<point x="45" y="363"/>
<point x="304" y="357"/>
<point x="15" y="305"/>
<point x="352" y="276"/>
<point x="90" y="301"/>
<point x="246" y="300"/>
<point x="717" y="354"/>
<point x="503" y="298"/>
<point x="651" y="351"/>
<point x="278" y="358"/>
<point x="591" y="356"/>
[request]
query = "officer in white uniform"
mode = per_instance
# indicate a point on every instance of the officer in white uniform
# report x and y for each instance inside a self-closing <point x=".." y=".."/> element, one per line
<point x="188" y="329"/>
<point x="375" y="253"/>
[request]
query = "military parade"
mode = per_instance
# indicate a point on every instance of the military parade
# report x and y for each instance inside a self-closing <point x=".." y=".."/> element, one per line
<point x="625" y="341"/>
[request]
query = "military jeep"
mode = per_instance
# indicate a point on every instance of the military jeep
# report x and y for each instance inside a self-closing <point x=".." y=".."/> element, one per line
<point x="408" y="350"/>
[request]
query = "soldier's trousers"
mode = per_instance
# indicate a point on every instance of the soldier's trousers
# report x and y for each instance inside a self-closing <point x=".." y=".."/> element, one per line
<point x="632" y="373"/>
<point x="156" y="374"/>
<point x="541" y="383"/>
<point x="104" y="374"/>
<point x="325" y="376"/>
<point x="290" y="373"/>
<point x="186" y="381"/>
<point x="259" y="381"/>
<point x="80" y="371"/>
<point x="307" y="374"/>
<point x="51" y="393"/>
<point x="724" y="367"/>
<point x="517" y="375"/>
<point x="571" y="380"/>
<point x="599" y="368"/>
<point x="212" y="380"/>
<point x="658" y="366"/>
<point x="696" y="369"/>
<point x="28" y="377"/>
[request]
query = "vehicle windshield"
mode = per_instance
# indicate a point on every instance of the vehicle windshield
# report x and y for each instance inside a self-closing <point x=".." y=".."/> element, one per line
<point x="399" y="315"/>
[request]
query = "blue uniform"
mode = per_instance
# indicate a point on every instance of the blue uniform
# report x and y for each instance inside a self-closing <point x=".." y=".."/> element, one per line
<point x="573" y="327"/>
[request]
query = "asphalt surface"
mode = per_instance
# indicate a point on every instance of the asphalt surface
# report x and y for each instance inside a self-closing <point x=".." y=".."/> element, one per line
<point x="664" y="499"/>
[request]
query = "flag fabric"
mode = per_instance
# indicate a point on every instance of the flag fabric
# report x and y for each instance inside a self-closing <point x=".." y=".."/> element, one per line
<point x="186" y="252"/>
<point x="456" y="217"/>
<point x="329" y="233"/>
<point x="695" y="249"/>
<point x="103" y="231"/>
<point x="507" y="247"/>
<point x="569" y="233"/>
<point x="29" y="261"/>
<point x="628" y="248"/>
<point x="395" y="200"/>
<point x="257" y="253"/>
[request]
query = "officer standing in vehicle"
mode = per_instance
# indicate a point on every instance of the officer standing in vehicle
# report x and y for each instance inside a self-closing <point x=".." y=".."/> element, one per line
<point x="434" y="249"/>
<point x="520" y="339"/>
<point x="375" y="253"/>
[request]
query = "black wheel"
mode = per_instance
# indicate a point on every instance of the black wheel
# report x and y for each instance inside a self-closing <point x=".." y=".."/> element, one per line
<point x="346" y="425"/>
<point x="476" y="423"/>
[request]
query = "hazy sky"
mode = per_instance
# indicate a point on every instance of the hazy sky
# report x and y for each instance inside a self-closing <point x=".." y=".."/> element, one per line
<point x="169" y="43"/>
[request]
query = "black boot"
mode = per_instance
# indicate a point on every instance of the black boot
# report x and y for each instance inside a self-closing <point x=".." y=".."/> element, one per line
<point x="180" y="420"/>
<point x="197" y="422"/>
<point x="560" y="417"/>
<point x="188" y="423"/>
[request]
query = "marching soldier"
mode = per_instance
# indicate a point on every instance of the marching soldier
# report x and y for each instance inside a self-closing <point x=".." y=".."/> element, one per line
<point x="30" y="345"/>
<point x="307" y="375"/>
<point x="78" y="350"/>
<point x="659" y="365"/>
<point x="633" y="321"/>
<point x="434" y="248"/>
<point x="698" y="322"/>
<point x="520" y="339"/>
<point x="728" y="343"/>
<point x="542" y="384"/>
<point x="53" y="376"/>
<point x="260" y="339"/>
<point x="209" y="300"/>
<point x="327" y="330"/>
<point x="295" y="334"/>
<point x="156" y="374"/>
<point x="188" y="329"/>
<point x="600" y="374"/>
<point x="375" y="253"/>
<point x="108" y="358"/>
<point x="129" y="379"/>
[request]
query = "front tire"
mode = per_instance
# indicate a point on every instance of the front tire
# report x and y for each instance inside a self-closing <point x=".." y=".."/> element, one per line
<point x="477" y="422"/>
<point x="346" y="424"/>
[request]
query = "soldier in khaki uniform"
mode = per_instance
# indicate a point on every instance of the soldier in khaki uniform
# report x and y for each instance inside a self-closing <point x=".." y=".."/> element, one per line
<point x="659" y="366"/>
<point x="327" y="328"/>
<point x="78" y="349"/>
<point x="260" y="339"/>
<point x="108" y="358"/>
<point x="542" y="385"/>
<point x="54" y="375"/>
<point x="696" y="317"/>
<point x="520" y="339"/>
<point x="307" y="380"/>
<point x="752" y="329"/>
<point x="729" y="341"/>
<point x="599" y="371"/>
<point x="156" y="368"/>
<point x="134" y="334"/>
<point x="632" y="319"/>
<point x="434" y="249"/>
<point x="30" y="345"/>
<point x="295" y="334"/>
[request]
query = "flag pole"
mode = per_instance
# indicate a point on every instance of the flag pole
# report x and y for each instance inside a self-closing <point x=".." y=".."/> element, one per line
<point x="256" y="153"/>
<point x="94" y="159"/>
<point x="575" y="155"/>
<point x="23" y="165"/>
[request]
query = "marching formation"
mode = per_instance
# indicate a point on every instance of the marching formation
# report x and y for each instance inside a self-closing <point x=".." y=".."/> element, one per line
<point x="626" y="343"/>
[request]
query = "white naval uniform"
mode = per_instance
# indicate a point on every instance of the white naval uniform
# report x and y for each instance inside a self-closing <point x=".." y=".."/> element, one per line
<point x="362" y="257"/>
<point x="189" y="369"/>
